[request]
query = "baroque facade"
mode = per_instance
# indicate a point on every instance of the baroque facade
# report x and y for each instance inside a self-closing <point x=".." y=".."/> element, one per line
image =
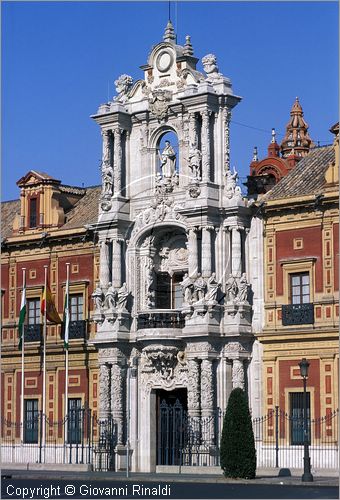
<point x="173" y="299"/>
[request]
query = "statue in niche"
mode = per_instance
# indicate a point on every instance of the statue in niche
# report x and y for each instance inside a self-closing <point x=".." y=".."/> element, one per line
<point x="122" y="296"/>
<point x="231" y="288"/>
<point x="243" y="287"/>
<point x="213" y="287"/>
<point x="168" y="161"/>
<point x="187" y="289"/>
<point x="107" y="173"/>
<point x="194" y="161"/>
<point x="110" y="297"/>
<point x="97" y="297"/>
<point x="200" y="286"/>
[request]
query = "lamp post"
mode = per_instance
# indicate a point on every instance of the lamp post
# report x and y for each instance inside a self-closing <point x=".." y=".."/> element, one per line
<point x="307" y="475"/>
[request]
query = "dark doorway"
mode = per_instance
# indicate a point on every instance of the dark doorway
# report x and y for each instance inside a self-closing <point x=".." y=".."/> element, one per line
<point x="171" y="424"/>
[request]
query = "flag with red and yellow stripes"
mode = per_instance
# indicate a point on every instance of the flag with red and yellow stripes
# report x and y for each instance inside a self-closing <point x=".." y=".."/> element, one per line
<point x="48" y="303"/>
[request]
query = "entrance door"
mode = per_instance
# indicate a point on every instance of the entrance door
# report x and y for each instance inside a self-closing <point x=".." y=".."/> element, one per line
<point x="171" y="418"/>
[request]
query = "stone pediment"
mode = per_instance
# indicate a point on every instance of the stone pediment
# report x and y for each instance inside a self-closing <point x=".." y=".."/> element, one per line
<point x="35" y="178"/>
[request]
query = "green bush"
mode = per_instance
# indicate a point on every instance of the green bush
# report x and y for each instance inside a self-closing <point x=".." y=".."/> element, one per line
<point x="238" y="454"/>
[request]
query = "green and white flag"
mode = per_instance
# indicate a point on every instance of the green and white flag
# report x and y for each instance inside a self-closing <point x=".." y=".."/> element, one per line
<point x="66" y="316"/>
<point x="22" y="316"/>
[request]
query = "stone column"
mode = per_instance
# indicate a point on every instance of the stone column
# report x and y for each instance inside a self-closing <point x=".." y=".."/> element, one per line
<point x="206" y="251"/>
<point x="104" y="390"/>
<point x="238" y="374"/>
<point x="226" y="123"/>
<point x="117" y="399"/>
<point x="104" y="270"/>
<point x="193" y="252"/>
<point x="236" y="252"/>
<point x="207" y="401"/>
<point x="192" y="129"/>
<point x="193" y="388"/>
<point x="205" y="134"/>
<point x="117" y="160"/>
<point x="226" y="252"/>
<point x="107" y="154"/>
<point x="116" y="263"/>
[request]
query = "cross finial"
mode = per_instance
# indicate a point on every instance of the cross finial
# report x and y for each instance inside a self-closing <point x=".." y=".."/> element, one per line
<point x="273" y="135"/>
<point x="255" y="155"/>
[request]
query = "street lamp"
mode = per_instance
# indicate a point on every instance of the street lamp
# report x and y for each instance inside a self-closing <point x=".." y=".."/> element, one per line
<point x="307" y="475"/>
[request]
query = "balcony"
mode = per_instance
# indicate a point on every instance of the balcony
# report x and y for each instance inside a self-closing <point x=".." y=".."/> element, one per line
<point x="77" y="329"/>
<point x="32" y="333"/>
<point x="298" y="314"/>
<point x="160" y="318"/>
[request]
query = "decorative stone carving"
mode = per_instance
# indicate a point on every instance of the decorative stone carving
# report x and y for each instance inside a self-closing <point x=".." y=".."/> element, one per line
<point x="157" y="213"/>
<point x="163" y="359"/>
<point x="231" y="288"/>
<point x="238" y="374"/>
<point x="193" y="388"/>
<point x="194" y="190"/>
<point x="107" y="182"/>
<point x="104" y="271"/>
<point x="207" y="389"/>
<point x="117" y="399"/>
<point x="231" y="188"/>
<point x="110" y="298"/>
<point x="243" y="288"/>
<point x="200" y="286"/>
<point x="97" y="297"/>
<point x="122" y="297"/>
<point x="205" y="145"/>
<point x="104" y="390"/>
<point x="213" y="288"/>
<point x="210" y="67"/>
<point x="194" y="162"/>
<point x="226" y="120"/>
<point x="187" y="289"/>
<point x="123" y="85"/>
<point x="159" y="100"/>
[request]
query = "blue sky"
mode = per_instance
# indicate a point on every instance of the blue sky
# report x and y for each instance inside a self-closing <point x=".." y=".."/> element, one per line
<point x="60" y="60"/>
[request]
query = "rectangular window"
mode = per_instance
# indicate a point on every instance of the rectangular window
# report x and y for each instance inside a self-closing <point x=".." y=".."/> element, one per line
<point x="76" y="307"/>
<point x="163" y="291"/>
<point x="33" y="307"/>
<point x="177" y="293"/>
<point x="31" y="421"/>
<point x="33" y="212"/>
<point x="74" y="421"/>
<point x="297" y="417"/>
<point x="299" y="288"/>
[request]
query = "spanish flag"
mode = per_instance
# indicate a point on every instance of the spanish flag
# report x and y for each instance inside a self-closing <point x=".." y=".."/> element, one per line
<point x="47" y="302"/>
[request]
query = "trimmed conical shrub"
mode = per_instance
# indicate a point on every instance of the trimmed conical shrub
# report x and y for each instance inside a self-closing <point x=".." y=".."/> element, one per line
<point x="238" y="453"/>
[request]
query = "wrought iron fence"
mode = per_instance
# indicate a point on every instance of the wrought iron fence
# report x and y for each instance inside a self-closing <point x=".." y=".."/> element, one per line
<point x="80" y="438"/>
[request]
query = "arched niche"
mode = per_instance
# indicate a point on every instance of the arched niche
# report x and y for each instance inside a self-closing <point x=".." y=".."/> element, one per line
<point x="157" y="145"/>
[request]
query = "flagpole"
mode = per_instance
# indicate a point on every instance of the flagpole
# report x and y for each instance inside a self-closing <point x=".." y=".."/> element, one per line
<point x="66" y="323"/>
<point x="44" y="366"/>
<point x="22" y="362"/>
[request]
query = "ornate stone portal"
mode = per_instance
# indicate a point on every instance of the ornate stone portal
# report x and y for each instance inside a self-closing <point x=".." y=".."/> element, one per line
<point x="173" y="302"/>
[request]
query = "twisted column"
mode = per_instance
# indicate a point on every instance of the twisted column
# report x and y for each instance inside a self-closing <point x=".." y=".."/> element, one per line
<point x="117" y="400"/>
<point x="238" y="374"/>
<point x="192" y="129"/>
<point x="226" y="123"/>
<point x="107" y="153"/>
<point x="193" y="388"/>
<point x="207" y="401"/>
<point x="104" y="390"/>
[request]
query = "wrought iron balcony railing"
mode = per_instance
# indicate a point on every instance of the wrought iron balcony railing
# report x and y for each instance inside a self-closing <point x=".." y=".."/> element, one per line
<point x="77" y="329"/>
<point x="160" y="318"/>
<point x="32" y="333"/>
<point x="298" y="314"/>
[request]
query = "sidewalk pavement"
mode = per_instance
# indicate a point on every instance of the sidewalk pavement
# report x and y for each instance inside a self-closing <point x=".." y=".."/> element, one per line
<point x="263" y="476"/>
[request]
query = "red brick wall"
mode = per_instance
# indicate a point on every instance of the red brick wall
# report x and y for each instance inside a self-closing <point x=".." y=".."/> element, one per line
<point x="76" y="390"/>
<point x="85" y="263"/>
<point x="5" y="287"/>
<point x="336" y="255"/>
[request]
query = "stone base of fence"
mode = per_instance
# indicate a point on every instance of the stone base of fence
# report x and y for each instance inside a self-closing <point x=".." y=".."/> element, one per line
<point x="52" y="467"/>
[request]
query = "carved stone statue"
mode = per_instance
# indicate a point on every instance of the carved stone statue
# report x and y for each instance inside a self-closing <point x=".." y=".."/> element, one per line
<point x="168" y="161"/>
<point x="194" y="161"/>
<point x="123" y="85"/>
<point x="200" y="286"/>
<point x="210" y="67"/>
<point x="97" y="297"/>
<point x="122" y="295"/>
<point x="213" y="287"/>
<point x="231" y="184"/>
<point x="107" y="174"/>
<point x="243" y="287"/>
<point x="187" y="288"/>
<point x="110" y="297"/>
<point x="231" y="288"/>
